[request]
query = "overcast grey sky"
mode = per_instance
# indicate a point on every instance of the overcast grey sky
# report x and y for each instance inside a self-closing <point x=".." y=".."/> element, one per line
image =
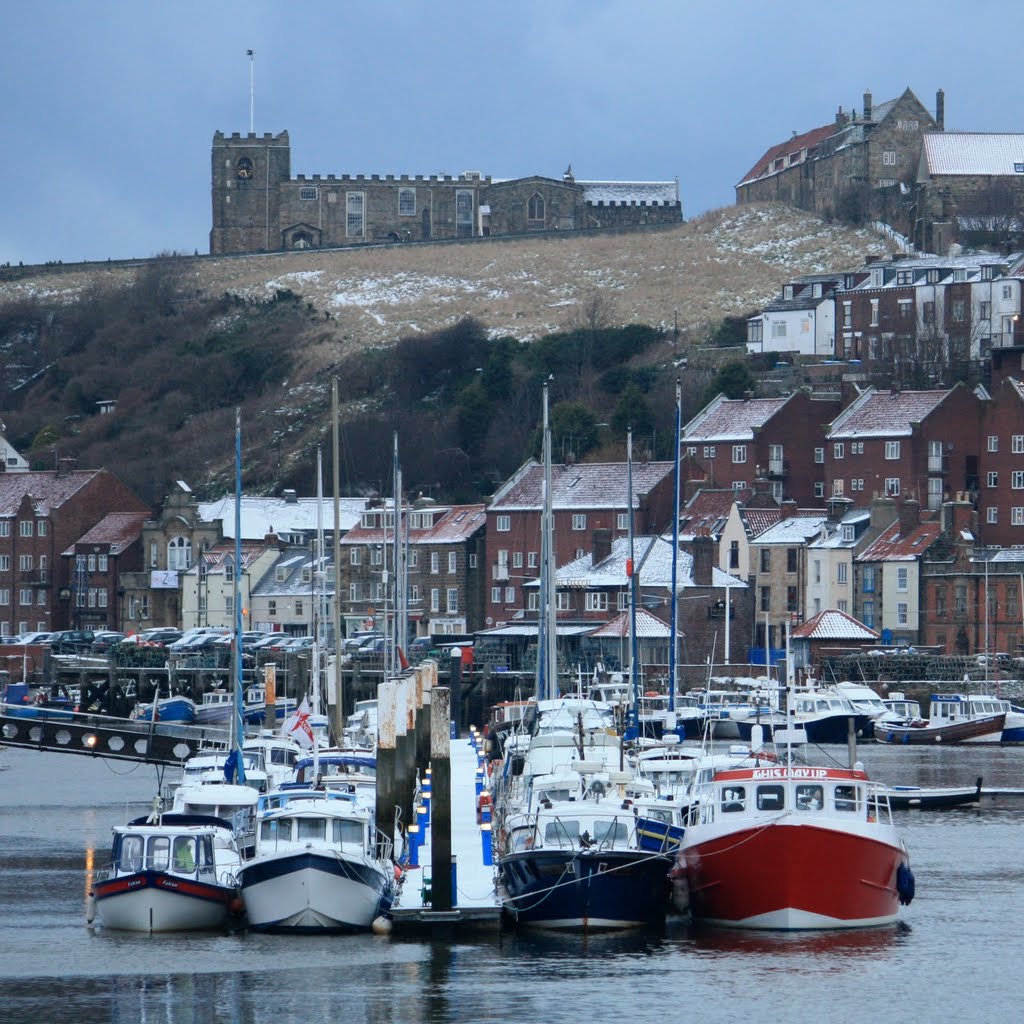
<point x="110" y="107"/>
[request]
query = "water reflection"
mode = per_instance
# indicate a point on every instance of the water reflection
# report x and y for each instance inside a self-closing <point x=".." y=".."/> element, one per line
<point x="864" y="942"/>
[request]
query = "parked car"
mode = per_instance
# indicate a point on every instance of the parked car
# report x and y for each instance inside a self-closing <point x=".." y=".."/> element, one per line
<point x="34" y="638"/>
<point x="372" y="648"/>
<point x="421" y="647"/>
<point x="105" y="639"/>
<point x="356" y="640"/>
<point x="72" y="641"/>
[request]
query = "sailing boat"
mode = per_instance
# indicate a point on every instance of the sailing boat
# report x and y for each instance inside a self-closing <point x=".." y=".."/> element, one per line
<point x="319" y="863"/>
<point x="570" y="848"/>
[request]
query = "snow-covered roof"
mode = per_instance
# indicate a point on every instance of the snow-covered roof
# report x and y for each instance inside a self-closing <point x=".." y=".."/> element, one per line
<point x="660" y="192"/>
<point x="974" y="153"/>
<point x="648" y="627"/>
<point x="280" y="515"/>
<point x="732" y="419"/>
<point x="579" y="486"/>
<point x="885" y="413"/>
<point x="795" y="528"/>
<point x="833" y="625"/>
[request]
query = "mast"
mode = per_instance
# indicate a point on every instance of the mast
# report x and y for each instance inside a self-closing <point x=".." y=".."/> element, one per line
<point x="398" y="562"/>
<point x="237" y="721"/>
<point x="338" y="723"/>
<point x="318" y="602"/>
<point x="634" y="645"/>
<point x="674" y="638"/>
<point x="547" y="648"/>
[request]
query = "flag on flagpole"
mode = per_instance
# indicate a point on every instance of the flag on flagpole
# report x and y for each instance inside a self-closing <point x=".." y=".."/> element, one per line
<point x="298" y="726"/>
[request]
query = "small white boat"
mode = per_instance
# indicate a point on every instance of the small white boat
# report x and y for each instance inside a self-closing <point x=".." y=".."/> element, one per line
<point x="216" y="707"/>
<point x="171" y="872"/>
<point x="319" y="865"/>
<point x="952" y="718"/>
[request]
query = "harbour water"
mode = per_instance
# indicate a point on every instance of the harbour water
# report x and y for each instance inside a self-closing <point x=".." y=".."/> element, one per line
<point x="953" y="957"/>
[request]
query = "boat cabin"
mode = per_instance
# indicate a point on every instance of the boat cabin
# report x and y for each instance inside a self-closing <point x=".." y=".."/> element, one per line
<point x="183" y="849"/>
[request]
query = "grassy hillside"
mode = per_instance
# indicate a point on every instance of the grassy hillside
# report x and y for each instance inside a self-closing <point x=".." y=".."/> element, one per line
<point x="445" y="343"/>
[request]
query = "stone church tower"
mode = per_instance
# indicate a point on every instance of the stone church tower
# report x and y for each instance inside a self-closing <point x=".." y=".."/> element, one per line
<point x="247" y="174"/>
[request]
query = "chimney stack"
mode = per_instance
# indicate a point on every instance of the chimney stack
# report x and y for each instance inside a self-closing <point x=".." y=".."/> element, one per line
<point x="910" y="516"/>
<point x="703" y="560"/>
<point x="788" y="508"/>
<point x="867" y="106"/>
<point x="940" y="110"/>
<point x="601" y="546"/>
<point x="883" y="513"/>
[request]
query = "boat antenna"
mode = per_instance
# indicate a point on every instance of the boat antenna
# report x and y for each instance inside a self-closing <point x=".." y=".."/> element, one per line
<point x="237" y="724"/>
<point x="633" y="732"/>
<point x="318" y="581"/>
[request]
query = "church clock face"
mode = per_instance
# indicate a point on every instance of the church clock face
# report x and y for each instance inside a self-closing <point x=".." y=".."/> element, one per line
<point x="243" y="169"/>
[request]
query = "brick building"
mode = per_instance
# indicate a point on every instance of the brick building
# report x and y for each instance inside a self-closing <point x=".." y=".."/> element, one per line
<point x="586" y="497"/>
<point x="258" y="205"/>
<point x="741" y="440"/>
<point x="445" y="582"/>
<point x="867" y="161"/>
<point x="43" y="514"/>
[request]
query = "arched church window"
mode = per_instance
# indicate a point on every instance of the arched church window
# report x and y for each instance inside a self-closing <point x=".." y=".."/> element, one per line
<point x="535" y="212"/>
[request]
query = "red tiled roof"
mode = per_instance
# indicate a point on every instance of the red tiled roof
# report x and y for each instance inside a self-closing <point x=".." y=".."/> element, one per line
<point x="709" y="509"/>
<point x="580" y="485"/>
<point x="833" y="625"/>
<point x="809" y="141"/>
<point x="47" y="488"/>
<point x="760" y="519"/>
<point x="891" y="546"/>
<point x="451" y="526"/>
<point x="118" y="530"/>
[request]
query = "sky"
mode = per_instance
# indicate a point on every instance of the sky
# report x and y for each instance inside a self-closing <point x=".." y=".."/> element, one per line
<point x="111" y="106"/>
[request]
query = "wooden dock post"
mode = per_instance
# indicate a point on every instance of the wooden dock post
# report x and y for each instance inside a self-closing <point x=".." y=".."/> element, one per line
<point x="426" y="680"/>
<point x="387" y="796"/>
<point x="442" y="896"/>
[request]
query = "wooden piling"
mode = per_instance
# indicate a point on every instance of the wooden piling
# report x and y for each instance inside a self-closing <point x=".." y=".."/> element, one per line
<point x="442" y="896"/>
<point x="387" y="797"/>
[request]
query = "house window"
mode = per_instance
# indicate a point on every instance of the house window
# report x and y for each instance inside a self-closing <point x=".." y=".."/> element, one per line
<point x="377" y="555"/>
<point x="25" y="596"/>
<point x="464" y="213"/>
<point x="435" y="561"/>
<point x="778" y="328"/>
<point x="959" y="311"/>
<point x="734" y="554"/>
<point x="892" y="486"/>
<point x="790" y="559"/>
<point x="766" y="599"/>
<point x="992" y="478"/>
<point x="435" y="599"/>
<point x="25" y="528"/>
<point x="596" y="602"/>
<point x="709" y="451"/>
<point x="843" y="606"/>
<point x="791" y="599"/>
<point x="179" y="554"/>
<point x="307" y="192"/>
<point x="1017" y="515"/>
<point x="1017" y="479"/>
<point x="901" y="613"/>
<point x="407" y="202"/>
<point x="819" y="455"/>
<point x="838" y="488"/>
<point x="5" y="563"/>
<point x="299" y="606"/>
<point x="517" y="560"/>
<point x="1017" y="444"/>
<point x="819" y="488"/>
<point x="869" y="579"/>
<point x="622" y="600"/>
<point x="766" y="559"/>
<point x="837" y="450"/>
<point x="452" y="602"/>
<point x="271" y="607"/>
<point x="354" y="206"/>
<point x="535" y="212"/>
<point x="901" y="578"/>
<point x="563" y="601"/>
<point x="869" y="614"/>
<point x="496" y="595"/>
<point x="25" y="563"/>
<point x="892" y="449"/>
<point x="874" y="313"/>
<point x="579" y="522"/>
<point x="993" y="442"/>
<point x="739" y="453"/>
<point x="453" y="562"/>
<point x="984" y="310"/>
<point x="841" y="570"/>
<point x="354" y="557"/>
<point x="1011" y="603"/>
<point x="889" y="157"/>
<point x="504" y="524"/>
<point x="992" y="514"/>
<point x="847" y="314"/>
<point x="414" y="559"/>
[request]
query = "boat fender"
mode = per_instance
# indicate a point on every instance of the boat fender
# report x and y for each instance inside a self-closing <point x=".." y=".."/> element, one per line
<point x="90" y="909"/>
<point x="905" y="884"/>
<point x="236" y="906"/>
<point x="398" y="872"/>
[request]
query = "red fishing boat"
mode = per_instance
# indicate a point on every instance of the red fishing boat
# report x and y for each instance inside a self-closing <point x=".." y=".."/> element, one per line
<point x="791" y="847"/>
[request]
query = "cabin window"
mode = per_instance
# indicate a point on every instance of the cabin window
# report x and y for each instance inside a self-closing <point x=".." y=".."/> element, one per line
<point x="561" y="833"/>
<point x="610" y="833"/>
<point x="348" y="833"/>
<point x="184" y="854"/>
<point x="159" y="852"/>
<point x="771" y="798"/>
<point x="131" y="853"/>
<point x="276" y="830"/>
<point x="734" y="798"/>
<point x="311" y="828"/>
<point x="809" y="798"/>
<point x="846" y="798"/>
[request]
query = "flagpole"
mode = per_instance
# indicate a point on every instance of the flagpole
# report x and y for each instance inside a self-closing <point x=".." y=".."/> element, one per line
<point x="252" y="94"/>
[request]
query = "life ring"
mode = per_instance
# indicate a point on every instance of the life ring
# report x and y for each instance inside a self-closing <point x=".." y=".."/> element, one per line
<point x="651" y="693"/>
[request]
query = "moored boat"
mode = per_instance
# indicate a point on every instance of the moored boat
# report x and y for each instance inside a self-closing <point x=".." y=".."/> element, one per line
<point x="953" y="718"/>
<point x="171" y="872"/>
<point x="791" y="847"/>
